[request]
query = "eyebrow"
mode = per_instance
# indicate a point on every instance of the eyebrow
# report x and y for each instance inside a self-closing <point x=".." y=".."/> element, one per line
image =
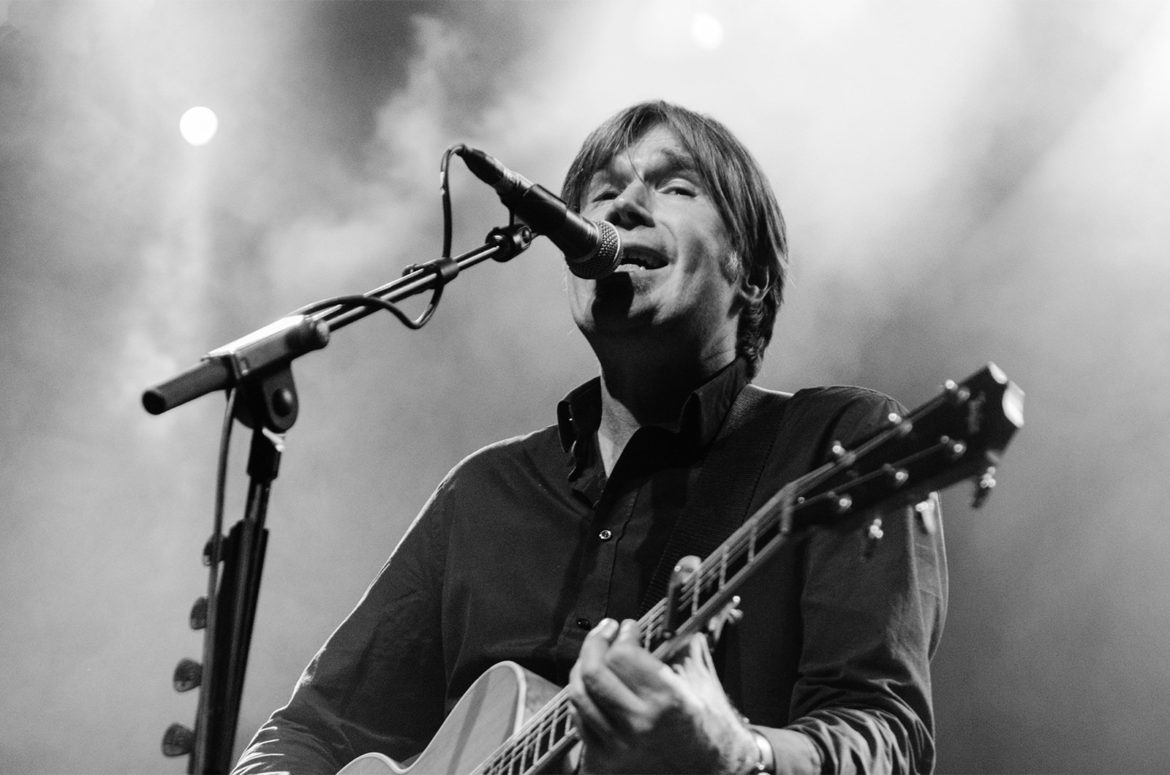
<point x="680" y="160"/>
<point x="674" y="160"/>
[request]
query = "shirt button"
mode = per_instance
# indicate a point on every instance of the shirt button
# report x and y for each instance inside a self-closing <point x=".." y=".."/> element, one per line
<point x="584" y="623"/>
<point x="605" y="535"/>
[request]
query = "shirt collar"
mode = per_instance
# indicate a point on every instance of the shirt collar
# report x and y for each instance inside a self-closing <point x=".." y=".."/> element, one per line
<point x="702" y="415"/>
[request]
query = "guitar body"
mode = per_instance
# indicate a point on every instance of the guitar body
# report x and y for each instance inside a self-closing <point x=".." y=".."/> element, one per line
<point x="490" y="712"/>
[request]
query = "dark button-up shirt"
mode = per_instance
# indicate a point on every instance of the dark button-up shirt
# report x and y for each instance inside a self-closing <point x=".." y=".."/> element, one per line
<point x="527" y="544"/>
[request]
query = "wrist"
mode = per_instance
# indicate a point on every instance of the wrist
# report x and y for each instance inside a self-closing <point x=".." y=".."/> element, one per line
<point x="763" y="760"/>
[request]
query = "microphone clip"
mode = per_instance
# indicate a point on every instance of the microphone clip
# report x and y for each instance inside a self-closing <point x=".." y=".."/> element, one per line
<point x="512" y="240"/>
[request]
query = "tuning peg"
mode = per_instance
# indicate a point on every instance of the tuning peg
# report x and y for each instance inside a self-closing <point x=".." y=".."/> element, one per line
<point x="840" y="503"/>
<point x="188" y="675"/>
<point x="954" y="448"/>
<point x="983" y="487"/>
<point x="895" y="477"/>
<point x="178" y="740"/>
<point x="903" y="425"/>
<point x="198" y="615"/>
<point x="873" y="536"/>
<point x="843" y="456"/>
<point x="956" y="393"/>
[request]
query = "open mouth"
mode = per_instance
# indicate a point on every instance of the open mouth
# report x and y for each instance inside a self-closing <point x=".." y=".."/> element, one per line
<point x="640" y="259"/>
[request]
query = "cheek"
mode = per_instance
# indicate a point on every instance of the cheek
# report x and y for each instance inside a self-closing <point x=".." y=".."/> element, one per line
<point x="578" y="292"/>
<point x="716" y="285"/>
<point x="716" y="265"/>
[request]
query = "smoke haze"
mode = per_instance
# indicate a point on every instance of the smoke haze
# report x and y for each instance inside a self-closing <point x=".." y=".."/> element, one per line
<point x="963" y="182"/>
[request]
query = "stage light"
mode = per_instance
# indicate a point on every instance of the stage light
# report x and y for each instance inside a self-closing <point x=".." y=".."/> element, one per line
<point x="707" y="31"/>
<point x="198" y="125"/>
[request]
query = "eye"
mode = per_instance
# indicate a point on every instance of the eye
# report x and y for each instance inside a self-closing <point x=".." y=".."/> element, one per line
<point x="679" y="187"/>
<point x="603" y="195"/>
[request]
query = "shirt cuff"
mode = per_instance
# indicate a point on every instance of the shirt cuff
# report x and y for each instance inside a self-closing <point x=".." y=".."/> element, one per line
<point x="794" y="752"/>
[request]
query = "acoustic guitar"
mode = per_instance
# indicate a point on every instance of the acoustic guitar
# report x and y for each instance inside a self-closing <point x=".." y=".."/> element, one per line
<point x="513" y="722"/>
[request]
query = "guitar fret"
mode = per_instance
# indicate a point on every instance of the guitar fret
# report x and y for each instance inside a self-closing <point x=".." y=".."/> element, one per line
<point x="494" y="766"/>
<point x="694" y="585"/>
<point x="518" y="758"/>
<point x="530" y="753"/>
<point x="563" y="721"/>
<point x="711" y="582"/>
<point x="653" y="623"/>
<point x="544" y="740"/>
<point x="549" y="738"/>
<point x="511" y="761"/>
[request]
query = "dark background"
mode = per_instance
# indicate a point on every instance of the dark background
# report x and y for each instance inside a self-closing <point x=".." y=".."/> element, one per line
<point x="963" y="181"/>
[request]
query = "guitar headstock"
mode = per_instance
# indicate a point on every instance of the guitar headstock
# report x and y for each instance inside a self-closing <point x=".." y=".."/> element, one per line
<point x="959" y="434"/>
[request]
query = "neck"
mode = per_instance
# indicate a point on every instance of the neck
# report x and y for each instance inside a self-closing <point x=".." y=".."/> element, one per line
<point x="637" y="392"/>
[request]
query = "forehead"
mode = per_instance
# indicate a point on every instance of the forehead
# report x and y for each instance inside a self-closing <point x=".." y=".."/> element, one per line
<point x="658" y="148"/>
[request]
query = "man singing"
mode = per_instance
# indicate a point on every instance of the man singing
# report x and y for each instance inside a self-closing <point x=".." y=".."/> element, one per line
<point x="543" y="548"/>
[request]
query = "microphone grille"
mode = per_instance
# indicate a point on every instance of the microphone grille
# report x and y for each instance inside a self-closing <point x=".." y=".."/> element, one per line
<point x="605" y="259"/>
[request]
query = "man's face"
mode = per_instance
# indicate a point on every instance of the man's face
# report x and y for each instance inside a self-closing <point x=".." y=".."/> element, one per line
<point x="675" y="247"/>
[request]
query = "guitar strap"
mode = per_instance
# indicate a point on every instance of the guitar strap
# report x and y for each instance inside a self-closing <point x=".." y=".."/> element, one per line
<point x="726" y="486"/>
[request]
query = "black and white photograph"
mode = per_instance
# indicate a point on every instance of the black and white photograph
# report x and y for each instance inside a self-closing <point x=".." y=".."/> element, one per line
<point x="492" y="387"/>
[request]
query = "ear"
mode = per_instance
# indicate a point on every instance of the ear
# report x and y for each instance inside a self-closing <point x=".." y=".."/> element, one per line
<point x="754" y="285"/>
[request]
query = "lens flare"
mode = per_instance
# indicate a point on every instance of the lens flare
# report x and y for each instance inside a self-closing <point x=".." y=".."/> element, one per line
<point x="198" y="125"/>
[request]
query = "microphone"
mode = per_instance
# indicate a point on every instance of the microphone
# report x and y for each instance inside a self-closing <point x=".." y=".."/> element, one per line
<point x="592" y="249"/>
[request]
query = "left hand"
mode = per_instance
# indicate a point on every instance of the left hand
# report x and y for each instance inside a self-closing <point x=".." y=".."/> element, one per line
<point x="637" y="714"/>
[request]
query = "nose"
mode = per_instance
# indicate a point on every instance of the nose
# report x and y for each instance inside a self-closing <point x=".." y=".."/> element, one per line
<point x="631" y="207"/>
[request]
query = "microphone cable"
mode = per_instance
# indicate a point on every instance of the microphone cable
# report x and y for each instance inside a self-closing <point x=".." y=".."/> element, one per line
<point x="351" y="301"/>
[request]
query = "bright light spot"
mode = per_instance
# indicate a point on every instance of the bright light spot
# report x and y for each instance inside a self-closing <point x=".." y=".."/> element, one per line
<point x="198" y="125"/>
<point x="707" y="31"/>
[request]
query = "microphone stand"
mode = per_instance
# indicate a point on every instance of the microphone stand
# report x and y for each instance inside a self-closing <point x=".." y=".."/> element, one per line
<point x="258" y="367"/>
